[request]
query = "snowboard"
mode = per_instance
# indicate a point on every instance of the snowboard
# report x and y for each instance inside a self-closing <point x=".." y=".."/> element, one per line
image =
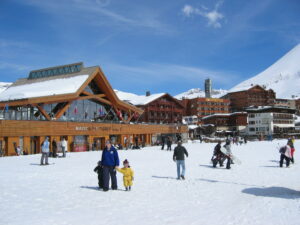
<point x="233" y="157"/>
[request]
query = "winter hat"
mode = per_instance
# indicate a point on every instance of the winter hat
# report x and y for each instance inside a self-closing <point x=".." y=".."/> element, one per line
<point x="125" y="161"/>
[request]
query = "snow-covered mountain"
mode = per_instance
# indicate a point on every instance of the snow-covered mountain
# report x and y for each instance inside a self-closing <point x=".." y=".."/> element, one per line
<point x="197" y="92"/>
<point x="3" y="86"/>
<point x="283" y="76"/>
<point x="136" y="99"/>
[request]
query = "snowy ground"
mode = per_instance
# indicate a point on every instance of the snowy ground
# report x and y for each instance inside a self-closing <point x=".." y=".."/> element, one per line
<point x="255" y="192"/>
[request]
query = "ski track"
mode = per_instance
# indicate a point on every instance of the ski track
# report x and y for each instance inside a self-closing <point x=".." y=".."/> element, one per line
<point x="255" y="192"/>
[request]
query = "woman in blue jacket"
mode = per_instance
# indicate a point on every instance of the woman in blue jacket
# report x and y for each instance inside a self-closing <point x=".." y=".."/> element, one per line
<point x="110" y="159"/>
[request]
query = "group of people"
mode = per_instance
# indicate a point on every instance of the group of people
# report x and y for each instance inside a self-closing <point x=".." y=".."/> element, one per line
<point x="220" y="156"/>
<point x="108" y="167"/>
<point x="46" y="149"/>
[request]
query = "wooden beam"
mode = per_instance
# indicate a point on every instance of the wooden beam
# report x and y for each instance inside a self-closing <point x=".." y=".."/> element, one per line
<point x="102" y="100"/>
<point x="45" y="114"/>
<point x="61" y="112"/>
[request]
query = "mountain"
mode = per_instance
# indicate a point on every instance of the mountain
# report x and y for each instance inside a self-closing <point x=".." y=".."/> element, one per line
<point x="283" y="76"/>
<point x="4" y="85"/>
<point x="197" y="92"/>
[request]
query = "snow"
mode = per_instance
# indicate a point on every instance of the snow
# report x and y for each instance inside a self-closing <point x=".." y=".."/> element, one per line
<point x="198" y="93"/>
<point x="44" y="88"/>
<point x="3" y="86"/>
<point x="254" y="193"/>
<point x="283" y="76"/>
<point x="137" y="99"/>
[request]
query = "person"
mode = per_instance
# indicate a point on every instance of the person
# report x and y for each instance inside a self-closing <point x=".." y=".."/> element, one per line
<point x="136" y="141"/>
<point x="200" y="138"/>
<point x="18" y="150"/>
<point x="109" y="160"/>
<point x="178" y="157"/>
<point x="285" y="154"/>
<point x="218" y="156"/>
<point x="99" y="170"/>
<point x="245" y="139"/>
<point x="169" y="144"/>
<point x="64" y="147"/>
<point x="162" y="143"/>
<point x="45" y="151"/>
<point x="227" y="146"/>
<point x="54" y="148"/>
<point x="291" y="144"/>
<point x="128" y="175"/>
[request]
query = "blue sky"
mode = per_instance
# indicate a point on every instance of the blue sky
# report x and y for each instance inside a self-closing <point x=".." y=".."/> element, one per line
<point x="162" y="46"/>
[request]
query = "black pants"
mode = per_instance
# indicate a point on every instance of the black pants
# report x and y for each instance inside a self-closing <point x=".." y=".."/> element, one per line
<point x="162" y="146"/>
<point x="287" y="160"/>
<point x="109" y="172"/>
<point x="100" y="179"/>
<point x="228" y="162"/>
<point x="169" y="147"/>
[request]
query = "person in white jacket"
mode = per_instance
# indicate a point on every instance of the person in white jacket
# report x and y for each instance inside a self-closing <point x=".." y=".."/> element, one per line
<point x="64" y="146"/>
<point x="45" y="151"/>
<point x="285" y="154"/>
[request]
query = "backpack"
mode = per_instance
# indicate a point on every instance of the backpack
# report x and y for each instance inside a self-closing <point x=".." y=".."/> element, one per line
<point x="282" y="150"/>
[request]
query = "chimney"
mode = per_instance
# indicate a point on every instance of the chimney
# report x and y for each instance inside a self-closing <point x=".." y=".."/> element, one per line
<point x="207" y="88"/>
<point x="148" y="93"/>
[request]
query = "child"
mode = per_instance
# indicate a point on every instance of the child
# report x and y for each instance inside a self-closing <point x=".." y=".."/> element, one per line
<point x="285" y="154"/>
<point x="128" y="175"/>
<point x="98" y="169"/>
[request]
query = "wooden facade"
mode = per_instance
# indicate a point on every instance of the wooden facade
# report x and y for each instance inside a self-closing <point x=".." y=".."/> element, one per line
<point x="86" y="117"/>
<point x="30" y="134"/>
<point x="255" y="96"/>
<point x="163" y="110"/>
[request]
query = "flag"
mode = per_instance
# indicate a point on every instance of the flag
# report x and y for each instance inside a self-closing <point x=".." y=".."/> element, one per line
<point x="101" y="111"/>
<point x="75" y="110"/>
<point x="86" y="112"/>
<point x="119" y="113"/>
<point x="136" y="115"/>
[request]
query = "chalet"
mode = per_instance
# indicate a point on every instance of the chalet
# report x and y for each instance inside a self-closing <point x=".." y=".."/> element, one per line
<point x="72" y="102"/>
<point x="227" y="122"/>
<point x="159" y="108"/>
<point x="254" y="96"/>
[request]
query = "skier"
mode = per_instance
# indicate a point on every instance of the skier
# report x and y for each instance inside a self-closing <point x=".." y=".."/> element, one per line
<point x="169" y="144"/>
<point x="162" y="143"/>
<point x="218" y="156"/>
<point x="285" y="154"/>
<point x="54" y="148"/>
<point x="64" y="147"/>
<point x="227" y="146"/>
<point x="291" y="144"/>
<point x="99" y="170"/>
<point x="45" y="152"/>
<point x="109" y="160"/>
<point x="127" y="175"/>
<point x="178" y="157"/>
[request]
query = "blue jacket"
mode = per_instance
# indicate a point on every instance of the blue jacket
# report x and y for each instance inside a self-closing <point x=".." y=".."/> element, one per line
<point x="110" y="157"/>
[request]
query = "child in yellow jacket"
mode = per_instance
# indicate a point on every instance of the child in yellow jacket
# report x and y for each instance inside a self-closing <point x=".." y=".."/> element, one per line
<point x="127" y="174"/>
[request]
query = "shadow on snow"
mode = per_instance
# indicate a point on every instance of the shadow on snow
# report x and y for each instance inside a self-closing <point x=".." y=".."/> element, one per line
<point x="274" y="192"/>
<point x="160" y="177"/>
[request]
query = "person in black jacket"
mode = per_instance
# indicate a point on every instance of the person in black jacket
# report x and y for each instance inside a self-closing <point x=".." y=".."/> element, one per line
<point x="99" y="170"/>
<point x="178" y="157"/>
<point x="218" y="156"/>
<point x="169" y="144"/>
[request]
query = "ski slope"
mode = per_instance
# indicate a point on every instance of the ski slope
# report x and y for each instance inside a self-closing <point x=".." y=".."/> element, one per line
<point x="256" y="192"/>
<point x="283" y="76"/>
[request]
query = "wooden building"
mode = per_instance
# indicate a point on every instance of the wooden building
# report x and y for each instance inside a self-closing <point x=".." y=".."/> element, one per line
<point x="254" y="96"/>
<point x="202" y="107"/>
<point x="159" y="108"/>
<point x="72" y="102"/>
<point x="233" y="122"/>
